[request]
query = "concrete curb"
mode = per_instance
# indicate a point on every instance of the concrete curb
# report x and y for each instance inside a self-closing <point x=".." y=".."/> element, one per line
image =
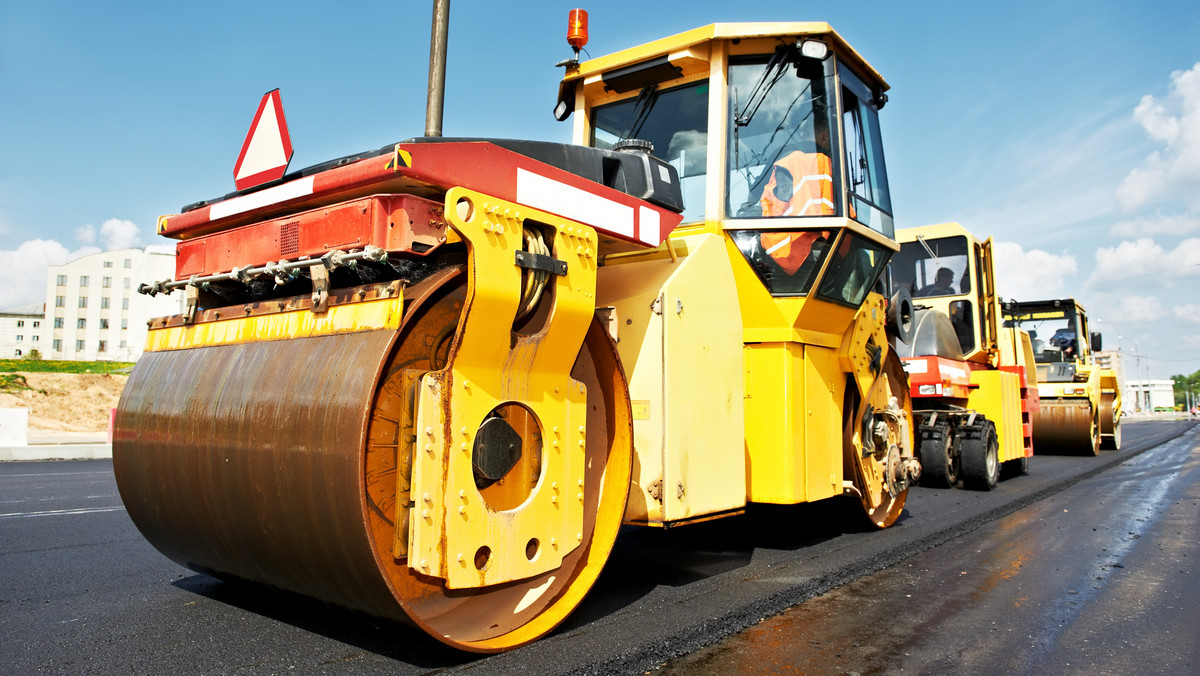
<point x="55" y="452"/>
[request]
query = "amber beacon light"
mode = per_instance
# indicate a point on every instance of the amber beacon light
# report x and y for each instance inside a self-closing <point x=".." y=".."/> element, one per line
<point x="577" y="29"/>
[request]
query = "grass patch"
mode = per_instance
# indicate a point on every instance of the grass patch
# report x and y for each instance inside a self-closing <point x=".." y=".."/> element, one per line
<point x="59" y="366"/>
<point x="14" y="382"/>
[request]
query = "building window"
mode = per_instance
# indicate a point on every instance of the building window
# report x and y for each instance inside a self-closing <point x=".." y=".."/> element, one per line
<point x="103" y="346"/>
<point x="123" y="345"/>
<point x="106" y="282"/>
<point x="128" y="263"/>
<point x="18" y="353"/>
<point x="58" y="322"/>
<point x="103" y="323"/>
<point x="62" y="280"/>
<point x="104" y="303"/>
<point x="81" y="323"/>
<point x="36" y="324"/>
<point x="124" y="303"/>
<point x="126" y="282"/>
<point x="108" y="264"/>
<point x="57" y="345"/>
<point x="20" y="337"/>
<point x="124" y="323"/>
<point x="60" y="301"/>
<point x="79" y="346"/>
<point x="20" y="323"/>
<point x="83" y="281"/>
<point x="83" y="301"/>
<point x="33" y="338"/>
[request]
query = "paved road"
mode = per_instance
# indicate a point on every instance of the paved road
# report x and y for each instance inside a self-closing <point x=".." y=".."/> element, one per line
<point x="81" y="591"/>
<point x="1102" y="578"/>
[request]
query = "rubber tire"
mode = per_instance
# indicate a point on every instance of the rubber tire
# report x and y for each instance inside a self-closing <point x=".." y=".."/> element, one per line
<point x="978" y="455"/>
<point x="939" y="469"/>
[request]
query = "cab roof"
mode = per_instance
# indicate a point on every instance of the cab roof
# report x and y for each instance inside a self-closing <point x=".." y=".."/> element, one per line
<point x="729" y="31"/>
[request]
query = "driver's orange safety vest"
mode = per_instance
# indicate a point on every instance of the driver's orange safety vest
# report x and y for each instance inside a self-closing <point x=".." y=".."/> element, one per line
<point x="812" y="186"/>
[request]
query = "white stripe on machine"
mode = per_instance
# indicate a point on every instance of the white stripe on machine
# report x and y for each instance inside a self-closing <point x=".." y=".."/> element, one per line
<point x="577" y="204"/>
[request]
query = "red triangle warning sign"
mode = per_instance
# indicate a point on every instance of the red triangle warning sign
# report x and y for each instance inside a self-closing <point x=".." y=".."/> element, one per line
<point x="267" y="149"/>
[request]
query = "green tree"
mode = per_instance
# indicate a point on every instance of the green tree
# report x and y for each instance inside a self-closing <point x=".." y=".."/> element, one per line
<point x="1187" y="388"/>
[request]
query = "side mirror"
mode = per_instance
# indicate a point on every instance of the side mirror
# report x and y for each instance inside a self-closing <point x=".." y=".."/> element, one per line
<point x="900" y="315"/>
<point x="1096" y="342"/>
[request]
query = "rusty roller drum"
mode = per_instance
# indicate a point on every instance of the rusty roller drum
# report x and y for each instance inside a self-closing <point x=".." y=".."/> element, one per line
<point x="277" y="461"/>
<point x="1066" y="426"/>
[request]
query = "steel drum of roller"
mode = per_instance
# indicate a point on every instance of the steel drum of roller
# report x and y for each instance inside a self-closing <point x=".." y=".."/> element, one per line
<point x="1066" y="426"/>
<point x="282" y="462"/>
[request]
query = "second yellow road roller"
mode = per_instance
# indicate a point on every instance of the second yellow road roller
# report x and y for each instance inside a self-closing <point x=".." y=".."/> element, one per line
<point x="973" y="381"/>
<point x="1080" y="401"/>
<point x="431" y="381"/>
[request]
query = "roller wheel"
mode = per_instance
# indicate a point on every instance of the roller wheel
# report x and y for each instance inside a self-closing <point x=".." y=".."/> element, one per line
<point x="979" y="451"/>
<point x="1067" y="426"/>
<point x="881" y="493"/>
<point x="497" y="618"/>
<point x="1110" y="424"/>
<point x="939" y="465"/>
<point x="282" y="462"/>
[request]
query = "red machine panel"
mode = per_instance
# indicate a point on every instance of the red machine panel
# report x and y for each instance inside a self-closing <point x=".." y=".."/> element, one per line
<point x="392" y="222"/>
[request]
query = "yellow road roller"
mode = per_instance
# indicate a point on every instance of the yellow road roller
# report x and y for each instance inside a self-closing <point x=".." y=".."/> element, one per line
<point x="430" y="382"/>
<point x="973" y="380"/>
<point x="1080" y="401"/>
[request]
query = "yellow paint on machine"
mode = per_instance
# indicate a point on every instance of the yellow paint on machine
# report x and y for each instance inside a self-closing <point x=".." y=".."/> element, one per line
<point x="456" y="534"/>
<point x="997" y="396"/>
<point x="681" y="346"/>
<point x="371" y="315"/>
<point x="788" y="447"/>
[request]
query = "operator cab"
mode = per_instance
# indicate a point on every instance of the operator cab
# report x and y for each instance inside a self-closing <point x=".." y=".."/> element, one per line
<point x="774" y="132"/>
<point x="945" y="268"/>
<point x="1055" y="328"/>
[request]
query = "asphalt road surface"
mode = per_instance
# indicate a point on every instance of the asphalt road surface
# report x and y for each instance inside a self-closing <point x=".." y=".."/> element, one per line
<point x="1011" y="580"/>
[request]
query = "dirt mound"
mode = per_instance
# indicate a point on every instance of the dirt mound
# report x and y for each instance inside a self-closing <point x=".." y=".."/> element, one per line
<point x="67" y="402"/>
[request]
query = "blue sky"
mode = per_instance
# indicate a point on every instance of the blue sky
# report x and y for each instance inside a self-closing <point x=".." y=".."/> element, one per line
<point x="1068" y="131"/>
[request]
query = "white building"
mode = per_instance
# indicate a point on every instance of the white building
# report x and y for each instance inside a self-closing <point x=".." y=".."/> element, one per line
<point x="93" y="309"/>
<point x="1148" y="395"/>
<point x="20" y="331"/>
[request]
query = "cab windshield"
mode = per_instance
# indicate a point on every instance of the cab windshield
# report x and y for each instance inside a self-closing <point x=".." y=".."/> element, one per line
<point x="780" y="158"/>
<point x="931" y="267"/>
<point x="1054" y="332"/>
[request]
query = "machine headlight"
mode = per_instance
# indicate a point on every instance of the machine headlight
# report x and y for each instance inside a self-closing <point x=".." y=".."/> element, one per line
<point x="814" y="49"/>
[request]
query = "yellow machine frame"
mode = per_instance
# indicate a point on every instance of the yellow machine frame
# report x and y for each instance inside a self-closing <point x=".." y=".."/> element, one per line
<point x="737" y="396"/>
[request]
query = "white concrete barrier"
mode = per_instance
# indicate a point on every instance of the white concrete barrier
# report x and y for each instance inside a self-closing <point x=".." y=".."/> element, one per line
<point x="14" y="427"/>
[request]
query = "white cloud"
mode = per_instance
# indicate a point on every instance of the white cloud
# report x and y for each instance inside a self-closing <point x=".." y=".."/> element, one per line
<point x="1144" y="257"/>
<point x="115" y="233"/>
<point x="1189" y="314"/>
<point x="119" y="234"/>
<point x="1141" y="309"/>
<point x="1171" y="172"/>
<point x="1153" y="117"/>
<point x="1158" y="224"/>
<point x="86" y="234"/>
<point x="23" y="271"/>
<point x="1033" y="274"/>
